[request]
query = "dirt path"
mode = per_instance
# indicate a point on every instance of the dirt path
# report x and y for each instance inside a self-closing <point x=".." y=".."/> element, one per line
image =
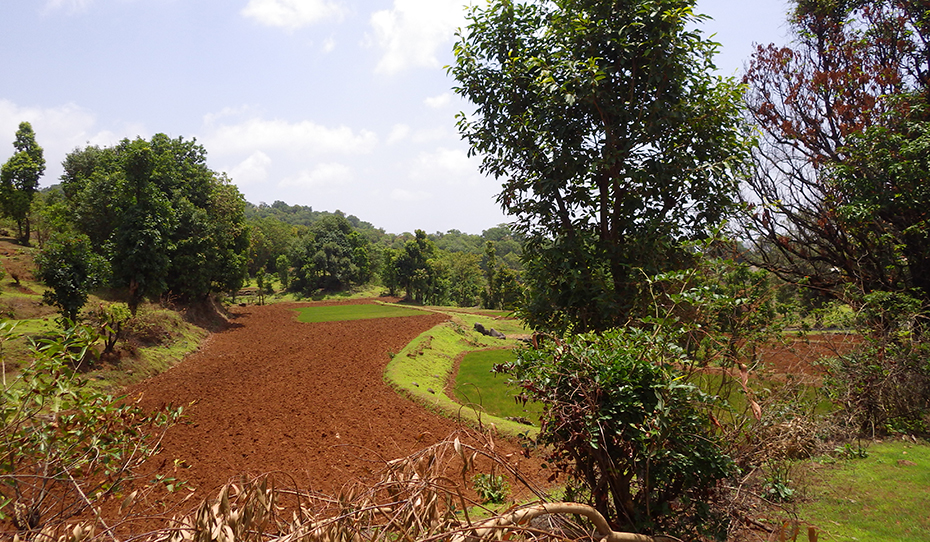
<point x="272" y="394"/>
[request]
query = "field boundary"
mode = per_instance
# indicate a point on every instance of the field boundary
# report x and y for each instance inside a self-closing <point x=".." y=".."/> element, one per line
<point x="422" y="371"/>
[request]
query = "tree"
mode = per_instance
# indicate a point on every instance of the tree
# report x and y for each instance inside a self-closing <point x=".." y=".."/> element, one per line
<point x="19" y="179"/>
<point x="465" y="284"/>
<point x="839" y="184"/>
<point x="71" y="268"/>
<point x="166" y="222"/>
<point x="613" y="142"/>
<point x="330" y="256"/>
<point x="412" y="268"/>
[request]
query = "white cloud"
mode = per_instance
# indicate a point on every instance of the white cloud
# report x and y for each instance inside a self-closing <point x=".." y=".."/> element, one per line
<point x="412" y="30"/>
<point x="59" y="130"/>
<point x="400" y="194"/>
<point x="292" y="14"/>
<point x="442" y="162"/>
<point x="299" y="138"/>
<point x="438" y="101"/>
<point x="399" y="132"/>
<point x="323" y="175"/>
<point x="428" y="135"/>
<point x="252" y="170"/>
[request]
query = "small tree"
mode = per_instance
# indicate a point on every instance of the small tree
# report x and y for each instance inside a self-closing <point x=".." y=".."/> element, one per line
<point x="19" y="179"/>
<point x="110" y="319"/>
<point x="260" y="282"/>
<point x="71" y="268"/>
<point x="283" y="267"/>
<point x="621" y="422"/>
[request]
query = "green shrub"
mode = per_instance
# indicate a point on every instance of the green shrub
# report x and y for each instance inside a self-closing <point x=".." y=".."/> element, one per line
<point x="621" y="421"/>
<point x="883" y="386"/>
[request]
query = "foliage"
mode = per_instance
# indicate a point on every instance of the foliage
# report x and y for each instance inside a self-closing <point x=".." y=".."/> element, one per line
<point x="777" y="486"/>
<point x="621" y="421"/>
<point x="71" y="268"/>
<point x="110" y="320"/>
<point x="504" y="290"/>
<point x="838" y="191"/>
<point x="283" y="269"/>
<point x="331" y="256"/>
<point x="412" y="267"/>
<point x="19" y="179"/>
<point x="65" y="446"/>
<point x="269" y="239"/>
<point x="614" y="141"/>
<point x="50" y="215"/>
<point x="724" y="309"/>
<point x="465" y="281"/>
<point x="164" y="220"/>
<point x="491" y="488"/>
<point x="884" y="385"/>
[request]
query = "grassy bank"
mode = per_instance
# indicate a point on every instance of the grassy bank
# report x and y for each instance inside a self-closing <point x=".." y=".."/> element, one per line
<point x="424" y="367"/>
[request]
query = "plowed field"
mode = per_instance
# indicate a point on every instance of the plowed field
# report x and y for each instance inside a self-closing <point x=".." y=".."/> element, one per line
<point x="271" y="394"/>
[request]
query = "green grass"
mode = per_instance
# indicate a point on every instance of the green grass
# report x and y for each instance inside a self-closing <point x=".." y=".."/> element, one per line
<point x="476" y="384"/>
<point x="339" y="313"/>
<point x="423" y="367"/>
<point x="882" y="498"/>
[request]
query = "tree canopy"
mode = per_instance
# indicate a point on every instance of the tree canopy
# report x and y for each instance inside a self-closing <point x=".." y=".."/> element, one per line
<point x="164" y="220"/>
<point x="612" y="140"/>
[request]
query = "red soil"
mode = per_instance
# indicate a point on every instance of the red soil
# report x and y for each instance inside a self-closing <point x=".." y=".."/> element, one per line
<point x="271" y="394"/>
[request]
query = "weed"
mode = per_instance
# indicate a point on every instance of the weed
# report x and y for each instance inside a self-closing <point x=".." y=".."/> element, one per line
<point x="848" y="451"/>
<point x="491" y="488"/>
<point x="777" y="486"/>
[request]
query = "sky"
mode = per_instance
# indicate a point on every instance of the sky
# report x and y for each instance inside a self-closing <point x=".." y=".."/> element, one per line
<point x="335" y="104"/>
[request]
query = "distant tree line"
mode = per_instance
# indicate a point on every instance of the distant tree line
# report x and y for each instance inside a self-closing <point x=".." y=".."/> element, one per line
<point x="149" y="219"/>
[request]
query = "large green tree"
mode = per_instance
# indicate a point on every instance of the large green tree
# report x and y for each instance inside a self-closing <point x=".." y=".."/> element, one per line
<point x="19" y="179"/>
<point x="613" y="141"/>
<point x="166" y="222"/>
<point x="330" y="256"/>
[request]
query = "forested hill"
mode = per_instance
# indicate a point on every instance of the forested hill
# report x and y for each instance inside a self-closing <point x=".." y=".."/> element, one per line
<point x="507" y="242"/>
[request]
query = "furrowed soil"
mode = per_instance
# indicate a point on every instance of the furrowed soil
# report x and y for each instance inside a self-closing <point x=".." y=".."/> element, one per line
<point x="273" y="395"/>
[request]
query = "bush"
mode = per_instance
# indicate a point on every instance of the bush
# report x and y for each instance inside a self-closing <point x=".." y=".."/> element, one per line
<point x="884" y="385"/>
<point x="491" y="488"/>
<point x="883" y="388"/>
<point x="65" y="446"/>
<point x="71" y="268"/>
<point x="626" y="427"/>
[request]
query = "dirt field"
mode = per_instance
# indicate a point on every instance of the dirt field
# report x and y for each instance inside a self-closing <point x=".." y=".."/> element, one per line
<point x="271" y="394"/>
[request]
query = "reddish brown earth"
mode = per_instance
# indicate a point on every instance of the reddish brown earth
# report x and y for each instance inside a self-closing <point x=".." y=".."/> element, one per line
<point x="271" y="394"/>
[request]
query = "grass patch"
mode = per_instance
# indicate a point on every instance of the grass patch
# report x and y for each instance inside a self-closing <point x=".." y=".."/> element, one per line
<point x="424" y="366"/>
<point x="341" y="313"/>
<point x="476" y="384"/>
<point x="882" y="498"/>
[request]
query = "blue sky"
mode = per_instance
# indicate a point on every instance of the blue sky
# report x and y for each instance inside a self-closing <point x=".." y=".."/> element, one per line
<point x="335" y="104"/>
